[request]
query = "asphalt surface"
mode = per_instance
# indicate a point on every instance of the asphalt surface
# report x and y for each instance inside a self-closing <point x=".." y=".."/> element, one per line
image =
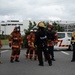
<point x="62" y="65"/>
<point x="5" y="47"/>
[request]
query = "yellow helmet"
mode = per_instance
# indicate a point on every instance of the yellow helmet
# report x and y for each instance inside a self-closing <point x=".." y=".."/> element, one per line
<point x="73" y="33"/>
<point x="41" y="24"/>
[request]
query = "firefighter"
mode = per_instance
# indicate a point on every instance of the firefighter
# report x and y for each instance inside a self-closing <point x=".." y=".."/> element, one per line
<point x="52" y="40"/>
<point x="35" y="51"/>
<point x="27" y="52"/>
<point x="31" y="39"/>
<point x="41" y="43"/>
<point x="0" y="50"/>
<point x="15" y="41"/>
<point x="73" y="44"/>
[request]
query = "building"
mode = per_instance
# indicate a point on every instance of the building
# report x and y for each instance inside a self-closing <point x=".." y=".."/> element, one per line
<point x="69" y="26"/>
<point x="8" y="26"/>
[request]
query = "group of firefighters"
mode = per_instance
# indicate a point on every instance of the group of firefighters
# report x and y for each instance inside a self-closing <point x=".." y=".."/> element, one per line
<point x="42" y="41"/>
<point x="40" y="44"/>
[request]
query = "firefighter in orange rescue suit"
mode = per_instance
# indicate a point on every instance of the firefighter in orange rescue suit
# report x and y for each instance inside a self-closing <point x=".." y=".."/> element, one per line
<point x="0" y="50"/>
<point x="15" y="41"/>
<point x="73" y="45"/>
<point x="52" y="40"/>
<point x="31" y="50"/>
<point x="31" y="39"/>
<point x="35" y="50"/>
<point x="27" y="51"/>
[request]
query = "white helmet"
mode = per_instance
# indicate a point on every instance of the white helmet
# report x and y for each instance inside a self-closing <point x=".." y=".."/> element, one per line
<point x="31" y="30"/>
<point x="17" y="27"/>
<point x="35" y="30"/>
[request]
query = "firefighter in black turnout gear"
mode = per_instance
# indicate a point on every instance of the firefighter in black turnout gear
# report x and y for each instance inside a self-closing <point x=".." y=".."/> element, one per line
<point x="73" y="45"/>
<point x="41" y="42"/>
<point x="52" y="40"/>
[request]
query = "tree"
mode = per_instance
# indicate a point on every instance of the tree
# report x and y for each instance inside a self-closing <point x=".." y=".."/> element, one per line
<point x="33" y="25"/>
<point x="27" y="31"/>
<point x="57" y="27"/>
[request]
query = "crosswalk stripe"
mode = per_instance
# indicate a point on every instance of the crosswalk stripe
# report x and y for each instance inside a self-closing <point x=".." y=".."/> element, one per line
<point x="65" y="52"/>
<point x="4" y="51"/>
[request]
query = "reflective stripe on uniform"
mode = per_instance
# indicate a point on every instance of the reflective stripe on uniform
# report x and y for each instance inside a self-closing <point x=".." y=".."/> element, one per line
<point x="73" y="40"/>
<point x="15" y="46"/>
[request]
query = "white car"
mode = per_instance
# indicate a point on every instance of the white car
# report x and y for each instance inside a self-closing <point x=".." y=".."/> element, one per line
<point x="64" y="41"/>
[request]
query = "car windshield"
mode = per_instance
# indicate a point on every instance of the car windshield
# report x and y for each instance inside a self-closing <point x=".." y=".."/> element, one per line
<point x="61" y="35"/>
<point x="69" y="34"/>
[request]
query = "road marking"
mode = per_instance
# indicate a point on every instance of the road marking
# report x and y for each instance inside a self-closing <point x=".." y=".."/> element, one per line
<point x="65" y="52"/>
<point x="4" y="51"/>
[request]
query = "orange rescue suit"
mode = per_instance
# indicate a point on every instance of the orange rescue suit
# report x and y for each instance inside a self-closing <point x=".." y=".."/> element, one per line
<point x="15" y="41"/>
<point x="31" y="39"/>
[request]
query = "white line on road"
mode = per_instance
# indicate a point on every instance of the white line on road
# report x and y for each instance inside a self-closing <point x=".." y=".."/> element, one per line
<point x="65" y="52"/>
<point x="4" y="51"/>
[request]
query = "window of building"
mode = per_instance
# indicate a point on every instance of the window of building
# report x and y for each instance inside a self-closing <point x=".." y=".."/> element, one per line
<point x="20" y="24"/>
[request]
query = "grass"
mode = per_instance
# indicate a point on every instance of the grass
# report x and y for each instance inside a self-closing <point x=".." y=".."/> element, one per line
<point x="5" y="42"/>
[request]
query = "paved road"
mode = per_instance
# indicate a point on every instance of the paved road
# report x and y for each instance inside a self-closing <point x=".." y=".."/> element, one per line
<point x="5" y="47"/>
<point x="62" y="65"/>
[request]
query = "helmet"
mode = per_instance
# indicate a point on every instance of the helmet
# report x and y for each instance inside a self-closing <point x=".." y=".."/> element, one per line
<point x="50" y="27"/>
<point x="17" y="28"/>
<point x="41" y="24"/>
<point x="31" y="30"/>
<point x="35" y="30"/>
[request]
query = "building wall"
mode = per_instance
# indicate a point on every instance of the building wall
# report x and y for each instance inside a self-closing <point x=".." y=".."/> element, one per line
<point x="68" y="25"/>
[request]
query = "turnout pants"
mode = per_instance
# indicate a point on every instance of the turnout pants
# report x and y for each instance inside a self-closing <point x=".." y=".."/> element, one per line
<point x="15" y="53"/>
<point x="40" y="56"/>
<point x="51" y="51"/>
<point x="73" y="57"/>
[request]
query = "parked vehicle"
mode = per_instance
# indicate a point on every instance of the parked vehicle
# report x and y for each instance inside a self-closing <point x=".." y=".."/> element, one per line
<point x="64" y="41"/>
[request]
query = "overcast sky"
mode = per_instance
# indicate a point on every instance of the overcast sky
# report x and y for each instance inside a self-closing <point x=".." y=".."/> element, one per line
<point x="37" y="9"/>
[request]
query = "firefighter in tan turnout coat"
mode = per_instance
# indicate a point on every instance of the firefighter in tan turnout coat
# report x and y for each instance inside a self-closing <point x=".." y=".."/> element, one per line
<point x="15" y="41"/>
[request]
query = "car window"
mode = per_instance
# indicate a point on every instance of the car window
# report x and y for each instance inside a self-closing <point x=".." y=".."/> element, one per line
<point x="69" y="34"/>
<point x="61" y="35"/>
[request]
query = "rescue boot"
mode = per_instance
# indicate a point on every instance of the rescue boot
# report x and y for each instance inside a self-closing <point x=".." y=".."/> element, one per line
<point x="35" y="58"/>
<point x="26" y="56"/>
<point x="50" y="63"/>
<point x="53" y="59"/>
<point x="11" y="61"/>
<point x="30" y="58"/>
<point x="16" y="60"/>
<point x="72" y="60"/>
<point x="41" y="65"/>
